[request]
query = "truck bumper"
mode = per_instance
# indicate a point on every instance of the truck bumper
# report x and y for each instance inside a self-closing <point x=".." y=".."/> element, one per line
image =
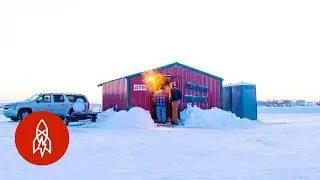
<point x="10" y="114"/>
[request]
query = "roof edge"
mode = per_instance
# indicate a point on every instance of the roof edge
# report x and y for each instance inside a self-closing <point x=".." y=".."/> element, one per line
<point x="164" y="67"/>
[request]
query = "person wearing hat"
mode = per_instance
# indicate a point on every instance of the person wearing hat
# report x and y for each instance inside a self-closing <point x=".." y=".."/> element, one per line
<point x="176" y="96"/>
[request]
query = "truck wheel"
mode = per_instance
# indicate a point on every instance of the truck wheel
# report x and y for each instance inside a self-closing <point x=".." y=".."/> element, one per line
<point x="70" y="111"/>
<point x="14" y="119"/>
<point x="94" y="119"/>
<point x="23" y="113"/>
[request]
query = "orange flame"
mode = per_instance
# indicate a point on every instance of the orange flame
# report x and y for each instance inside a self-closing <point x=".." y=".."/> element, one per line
<point x="154" y="80"/>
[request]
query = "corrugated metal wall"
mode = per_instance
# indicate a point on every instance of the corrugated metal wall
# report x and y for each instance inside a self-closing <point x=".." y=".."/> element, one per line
<point x="114" y="94"/>
<point x="182" y="76"/>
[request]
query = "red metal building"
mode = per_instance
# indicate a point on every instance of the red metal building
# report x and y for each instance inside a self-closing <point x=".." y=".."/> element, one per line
<point x="197" y="87"/>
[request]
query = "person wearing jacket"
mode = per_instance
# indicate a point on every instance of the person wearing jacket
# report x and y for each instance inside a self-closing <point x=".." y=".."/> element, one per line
<point x="176" y="96"/>
<point x="161" y="100"/>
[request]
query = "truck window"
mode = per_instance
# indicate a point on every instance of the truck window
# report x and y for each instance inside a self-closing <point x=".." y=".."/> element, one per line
<point x="45" y="98"/>
<point x="74" y="98"/>
<point x="58" y="98"/>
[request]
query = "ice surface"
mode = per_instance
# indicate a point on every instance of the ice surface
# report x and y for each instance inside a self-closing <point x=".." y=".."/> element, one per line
<point x="286" y="147"/>
<point x="195" y="117"/>
<point x="281" y="110"/>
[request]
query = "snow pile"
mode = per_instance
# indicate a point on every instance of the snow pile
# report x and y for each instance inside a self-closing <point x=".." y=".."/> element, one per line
<point x="215" y="118"/>
<point x="1" y="110"/>
<point x="135" y="118"/>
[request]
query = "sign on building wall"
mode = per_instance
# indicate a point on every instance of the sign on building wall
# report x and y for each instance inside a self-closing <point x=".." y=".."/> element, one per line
<point x="195" y="99"/>
<point x="196" y="88"/>
<point x="140" y="87"/>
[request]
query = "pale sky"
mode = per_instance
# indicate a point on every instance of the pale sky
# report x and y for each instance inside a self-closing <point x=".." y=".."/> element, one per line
<point x="57" y="45"/>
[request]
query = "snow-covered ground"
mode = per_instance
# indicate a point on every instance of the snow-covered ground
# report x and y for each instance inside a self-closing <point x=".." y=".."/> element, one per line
<point x="285" y="146"/>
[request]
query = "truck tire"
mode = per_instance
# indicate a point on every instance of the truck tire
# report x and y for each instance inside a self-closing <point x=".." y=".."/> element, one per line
<point x="23" y="113"/>
<point x="14" y="119"/>
<point x="94" y="119"/>
<point x="70" y="111"/>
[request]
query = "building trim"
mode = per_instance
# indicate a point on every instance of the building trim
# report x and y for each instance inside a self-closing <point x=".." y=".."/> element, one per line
<point x="165" y="67"/>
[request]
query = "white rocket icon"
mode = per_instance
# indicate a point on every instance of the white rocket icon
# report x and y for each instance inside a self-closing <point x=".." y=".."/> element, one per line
<point x="42" y="142"/>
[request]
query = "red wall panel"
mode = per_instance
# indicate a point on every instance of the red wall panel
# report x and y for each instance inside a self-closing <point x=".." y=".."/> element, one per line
<point x="114" y="94"/>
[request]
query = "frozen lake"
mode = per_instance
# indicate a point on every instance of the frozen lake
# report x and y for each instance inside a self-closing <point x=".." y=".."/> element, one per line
<point x="285" y="147"/>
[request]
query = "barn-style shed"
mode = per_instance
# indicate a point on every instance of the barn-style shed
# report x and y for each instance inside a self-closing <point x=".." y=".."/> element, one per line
<point x="197" y="87"/>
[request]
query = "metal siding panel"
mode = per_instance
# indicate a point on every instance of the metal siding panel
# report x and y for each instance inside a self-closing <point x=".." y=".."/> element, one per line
<point x="120" y="91"/>
<point x="123" y="92"/>
<point x="103" y="97"/>
<point x="183" y="84"/>
<point x="217" y="94"/>
<point x="139" y="98"/>
<point x="205" y="82"/>
<point x="220" y="94"/>
<point x="187" y="79"/>
<point x="184" y="80"/>
<point x="179" y="83"/>
<point x="198" y="81"/>
<point x="114" y="94"/>
<point x="202" y="93"/>
<point x="214" y="93"/>
<point x="209" y="96"/>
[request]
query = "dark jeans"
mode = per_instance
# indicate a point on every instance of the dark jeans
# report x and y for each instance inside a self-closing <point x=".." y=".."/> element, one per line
<point x="161" y="114"/>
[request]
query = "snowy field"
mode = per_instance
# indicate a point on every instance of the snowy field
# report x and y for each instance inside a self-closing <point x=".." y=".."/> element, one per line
<point x="285" y="146"/>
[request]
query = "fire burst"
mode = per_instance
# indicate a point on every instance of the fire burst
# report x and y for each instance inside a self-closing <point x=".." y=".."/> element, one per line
<point x="154" y="80"/>
<point x="42" y="142"/>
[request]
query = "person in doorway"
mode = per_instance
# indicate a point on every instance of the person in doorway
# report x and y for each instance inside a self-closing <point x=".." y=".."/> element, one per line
<point x="175" y="100"/>
<point x="161" y="99"/>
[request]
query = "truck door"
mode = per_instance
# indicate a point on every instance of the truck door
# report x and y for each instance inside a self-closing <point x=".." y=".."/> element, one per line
<point x="59" y="106"/>
<point x="43" y="103"/>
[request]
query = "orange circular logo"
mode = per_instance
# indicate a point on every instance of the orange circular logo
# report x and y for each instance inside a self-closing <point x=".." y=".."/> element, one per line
<point x="42" y="138"/>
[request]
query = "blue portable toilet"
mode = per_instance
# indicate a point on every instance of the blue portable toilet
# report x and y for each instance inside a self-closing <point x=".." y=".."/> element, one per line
<point x="227" y="98"/>
<point x="244" y="100"/>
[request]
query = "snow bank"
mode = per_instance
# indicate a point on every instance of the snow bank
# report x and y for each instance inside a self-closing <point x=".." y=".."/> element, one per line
<point x="215" y="118"/>
<point x="193" y="117"/>
<point x="135" y="118"/>
<point x="305" y="109"/>
<point x="1" y="110"/>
